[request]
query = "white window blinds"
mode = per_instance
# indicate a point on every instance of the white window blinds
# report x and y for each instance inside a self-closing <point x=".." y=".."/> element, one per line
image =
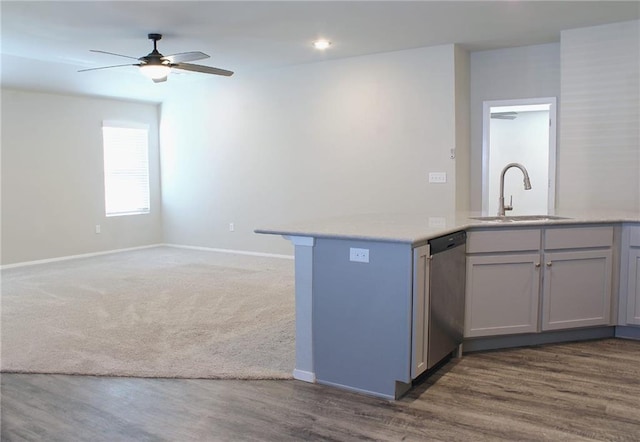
<point x="126" y="168"/>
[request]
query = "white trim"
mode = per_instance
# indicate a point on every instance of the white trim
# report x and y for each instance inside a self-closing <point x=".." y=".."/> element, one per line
<point x="70" y="257"/>
<point x="128" y="249"/>
<point x="486" y="124"/>
<point x="305" y="376"/>
<point x="307" y="241"/>
<point x="304" y="369"/>
<point x="521" y="108"/>
<point x="125" y="124"/>
<point x="553" y="137"/>
<point x="237" y="252"/>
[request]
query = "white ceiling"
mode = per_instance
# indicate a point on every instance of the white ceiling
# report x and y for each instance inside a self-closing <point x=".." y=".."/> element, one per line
<point x="45" y="43"/>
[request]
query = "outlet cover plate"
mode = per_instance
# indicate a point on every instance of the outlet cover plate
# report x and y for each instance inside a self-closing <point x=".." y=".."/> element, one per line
<point x="358" y="255"/>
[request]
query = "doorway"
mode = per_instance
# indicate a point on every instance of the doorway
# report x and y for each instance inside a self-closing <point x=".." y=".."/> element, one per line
<point x="519" y="131"/>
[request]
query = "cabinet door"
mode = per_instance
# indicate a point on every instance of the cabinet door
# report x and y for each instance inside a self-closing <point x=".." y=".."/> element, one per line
<point x="420" y="327"/>
<point x="502" y="294"/>
<point x="633" y="292"/>
<point x="577" y="289"/>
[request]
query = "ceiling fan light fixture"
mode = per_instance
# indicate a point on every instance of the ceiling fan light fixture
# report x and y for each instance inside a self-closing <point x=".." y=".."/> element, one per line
<point x="321" y="44"/>
<point x="155" y="71"/>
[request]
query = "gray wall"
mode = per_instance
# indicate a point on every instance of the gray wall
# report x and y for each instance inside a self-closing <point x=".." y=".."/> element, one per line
<point x="524" y="72"/>
<point x="595" y="73"/>
<point x="52" y="177"/>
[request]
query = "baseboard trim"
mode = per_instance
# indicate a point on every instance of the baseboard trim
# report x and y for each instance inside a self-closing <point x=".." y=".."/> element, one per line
<point x="237" y="252"/>
<point x="70" y="257"/>
<point x="305" y="376"/>
<point x="129" y="249"/>
<point x="628" y="332"/>
<point x="524" y="340"/>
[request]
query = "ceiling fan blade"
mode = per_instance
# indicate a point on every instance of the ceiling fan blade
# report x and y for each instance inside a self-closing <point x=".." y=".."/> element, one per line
<point x="159" y="80"/>
<point x="185" y="56"/>
<point x="112" y="53"/>
<point x="107" y="67"/>
<point x="200" y="68"/>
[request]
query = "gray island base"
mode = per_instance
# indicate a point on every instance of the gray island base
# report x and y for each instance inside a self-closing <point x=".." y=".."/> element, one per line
<point x="362" y="316"/>
<point x="356" y="318"/>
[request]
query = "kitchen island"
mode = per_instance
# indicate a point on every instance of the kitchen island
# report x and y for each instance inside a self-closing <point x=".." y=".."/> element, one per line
<point x="355" y="315"/>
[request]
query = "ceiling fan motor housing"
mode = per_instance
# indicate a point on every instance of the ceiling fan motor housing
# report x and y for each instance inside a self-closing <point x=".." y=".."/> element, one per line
<point x="154" y="58"/>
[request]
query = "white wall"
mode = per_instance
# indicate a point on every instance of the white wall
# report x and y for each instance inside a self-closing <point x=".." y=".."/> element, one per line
<point x="350" y="136"/>
<point x="52" y="177"/>
<point x="523" y="140"/>
<point x="599" y="154"/>
<point x="503" y="74"/>
<point x="342" y="137"/>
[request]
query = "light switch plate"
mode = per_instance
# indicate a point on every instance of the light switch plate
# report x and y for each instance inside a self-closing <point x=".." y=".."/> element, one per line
<point x="437" y="222"/>
<point x="438" y="177"/>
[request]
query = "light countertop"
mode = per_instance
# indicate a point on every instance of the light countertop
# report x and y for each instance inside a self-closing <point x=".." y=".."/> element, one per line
<point x="413" y="228"/>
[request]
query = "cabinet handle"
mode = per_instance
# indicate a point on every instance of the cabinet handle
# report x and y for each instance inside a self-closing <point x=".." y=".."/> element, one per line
<point x="537" y="264"/>
<point x="549" y="264"/>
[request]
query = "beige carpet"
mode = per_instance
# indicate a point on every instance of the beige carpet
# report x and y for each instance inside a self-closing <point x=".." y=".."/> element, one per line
<point x="160" y="312"/>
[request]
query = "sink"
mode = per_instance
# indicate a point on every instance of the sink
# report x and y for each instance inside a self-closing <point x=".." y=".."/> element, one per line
<point x="512" y="219"/>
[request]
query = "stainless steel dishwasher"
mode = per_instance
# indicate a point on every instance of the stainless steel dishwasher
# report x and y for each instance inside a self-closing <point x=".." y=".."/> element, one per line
<point x="446" y="296"/>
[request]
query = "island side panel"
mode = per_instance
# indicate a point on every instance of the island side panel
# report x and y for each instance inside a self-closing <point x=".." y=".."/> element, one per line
<point x="362" y="315"/>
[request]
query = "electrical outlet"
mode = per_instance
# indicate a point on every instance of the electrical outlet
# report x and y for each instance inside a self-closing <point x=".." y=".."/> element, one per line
<point x="98" y="229"/>
<point x="232" y="227"/>
<point x="438" y="177"/>
<point x="358" y="255"/>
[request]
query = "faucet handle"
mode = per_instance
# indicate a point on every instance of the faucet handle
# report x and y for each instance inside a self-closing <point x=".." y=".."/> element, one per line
<point x="510" y="205"/>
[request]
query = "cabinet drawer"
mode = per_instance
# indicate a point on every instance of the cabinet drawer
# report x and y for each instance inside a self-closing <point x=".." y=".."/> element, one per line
<point x="578" y="237"/>
<point x="503" y="240"/>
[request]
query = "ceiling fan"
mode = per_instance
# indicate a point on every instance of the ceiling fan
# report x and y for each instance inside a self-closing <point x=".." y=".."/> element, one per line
<point x="157" y="66"/>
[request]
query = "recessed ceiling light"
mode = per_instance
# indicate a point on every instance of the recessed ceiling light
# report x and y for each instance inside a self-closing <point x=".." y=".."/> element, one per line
<point x="321" y="44"/>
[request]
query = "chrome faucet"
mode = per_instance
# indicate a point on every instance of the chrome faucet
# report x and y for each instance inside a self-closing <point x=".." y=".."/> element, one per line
<point x="527" y="186"/>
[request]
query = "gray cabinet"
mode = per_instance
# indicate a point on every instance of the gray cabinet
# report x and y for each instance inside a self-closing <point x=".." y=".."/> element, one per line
<point x="633" y="282"/>
<point x="503" y="298"/>
<point x="577" y="277"/>
<point x="528" y="280"/>
<point x="420" y="327"/>
<point x="577" y="289"/>
<point x="503" y="282"/>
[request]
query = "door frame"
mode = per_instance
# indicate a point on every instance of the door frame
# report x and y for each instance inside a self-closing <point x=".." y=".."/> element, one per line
<point x="486" y="137"/>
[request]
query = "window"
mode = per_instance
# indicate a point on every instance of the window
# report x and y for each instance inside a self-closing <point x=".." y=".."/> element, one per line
<point x="126" y="168"/>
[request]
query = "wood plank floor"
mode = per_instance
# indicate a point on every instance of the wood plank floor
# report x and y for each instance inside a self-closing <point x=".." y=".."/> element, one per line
<point x="567" y="392"/>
